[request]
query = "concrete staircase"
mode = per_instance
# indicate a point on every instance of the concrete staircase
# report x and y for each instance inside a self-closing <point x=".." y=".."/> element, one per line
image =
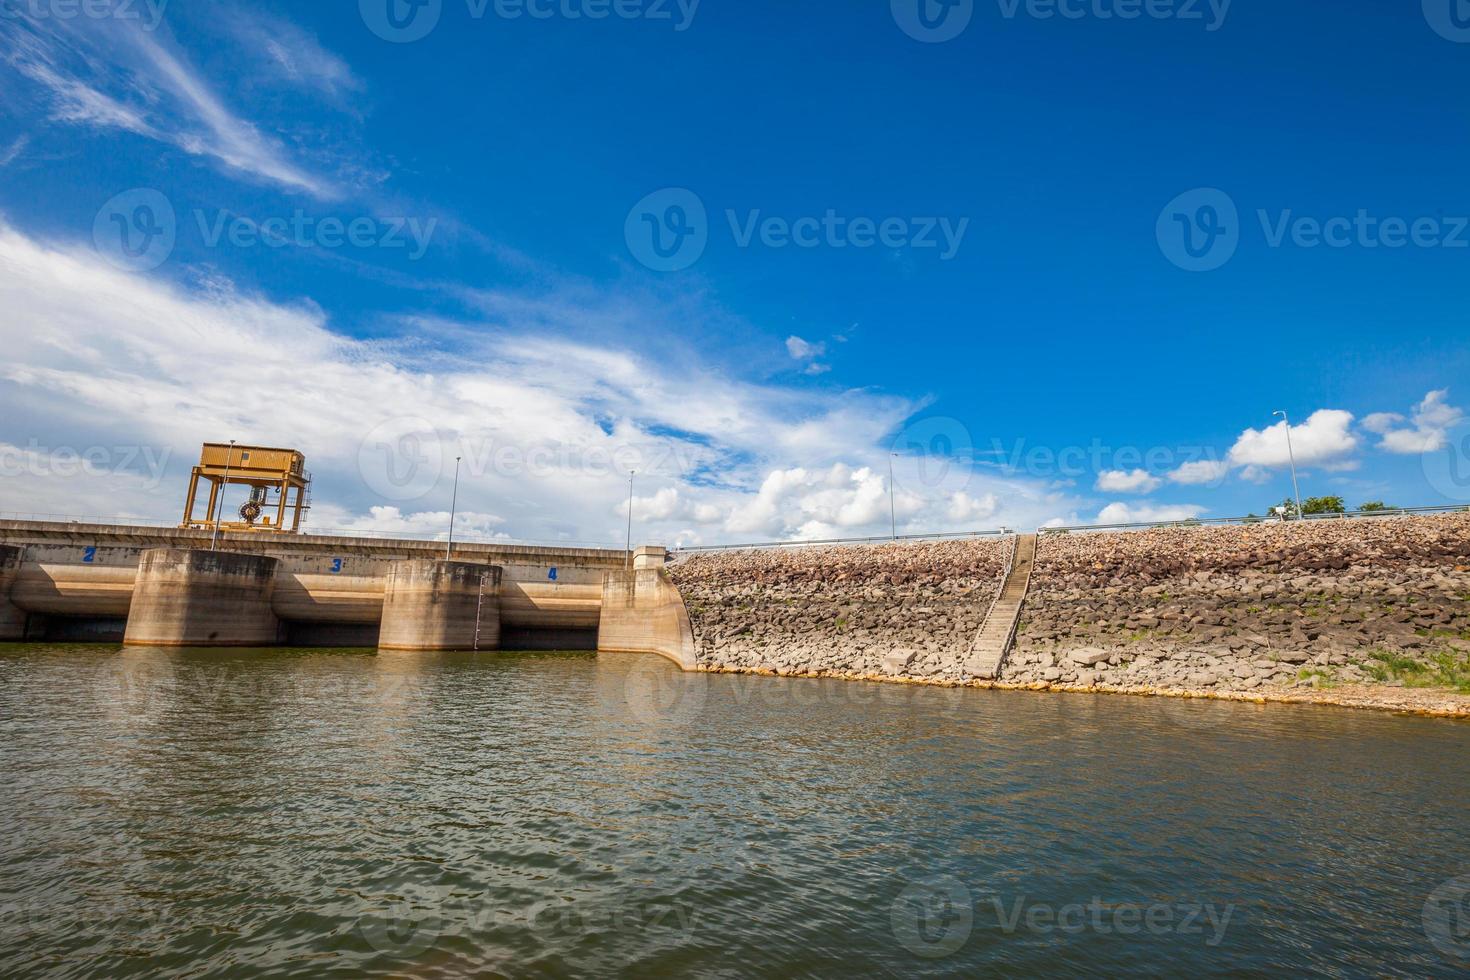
<point x="993" y="642"/>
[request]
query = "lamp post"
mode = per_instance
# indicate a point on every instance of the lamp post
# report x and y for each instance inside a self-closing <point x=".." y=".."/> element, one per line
<point x="631" y="474"/>
<point x="214" y="538"/>
<point x="1290" y="455"/>
<point x="453" y="506"/>
<point x="892" y="514"/>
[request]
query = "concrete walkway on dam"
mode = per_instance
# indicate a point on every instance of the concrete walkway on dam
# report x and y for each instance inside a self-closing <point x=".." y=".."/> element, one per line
<point x="999" y="630"/>
<point x="166" y="587"/>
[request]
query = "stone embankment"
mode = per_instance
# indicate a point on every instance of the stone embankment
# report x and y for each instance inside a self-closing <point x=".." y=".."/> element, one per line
<point x="1362" y="612"/>
<point x="841" y="610"/>
<point x="1238" y="608"/>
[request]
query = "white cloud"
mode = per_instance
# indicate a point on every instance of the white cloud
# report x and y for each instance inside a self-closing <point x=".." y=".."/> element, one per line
<point x="838" y="497"/>
<point x="1381" y="422"/>
<point x="1324" y="439"/>
<point x="1199" y="472"/>
<point x="803" y="350"/>
<point x="1433" y="418"/>
<point x="668" y="504"/>
<point x="384" y="519"/>
<point x="963" y="507"/>
<point x="1121" y="513"/>
<point x="1127" y="481"/>
<point x="548" y="430"/>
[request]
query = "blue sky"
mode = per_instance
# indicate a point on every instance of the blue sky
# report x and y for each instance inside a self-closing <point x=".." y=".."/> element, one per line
<point x="989" y="277"/>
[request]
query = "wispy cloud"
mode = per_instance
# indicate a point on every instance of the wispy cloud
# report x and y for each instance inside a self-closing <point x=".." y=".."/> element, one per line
<point x="294" y="55"/>
<point x="12" y="152"/>
<point x="116" y="75"/>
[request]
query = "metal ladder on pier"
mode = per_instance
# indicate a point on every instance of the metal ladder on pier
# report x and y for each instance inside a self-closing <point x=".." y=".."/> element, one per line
<point x="993" y="642"/>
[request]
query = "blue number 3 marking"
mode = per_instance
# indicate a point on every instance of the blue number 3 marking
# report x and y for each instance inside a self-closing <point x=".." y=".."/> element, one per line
<point x="336" y="566"/>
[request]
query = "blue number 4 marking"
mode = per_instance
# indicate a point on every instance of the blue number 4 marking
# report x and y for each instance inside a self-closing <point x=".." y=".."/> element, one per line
<point x="336" y="566"/>
<point x="89" y="553"/>
<point x="551" y="575"/>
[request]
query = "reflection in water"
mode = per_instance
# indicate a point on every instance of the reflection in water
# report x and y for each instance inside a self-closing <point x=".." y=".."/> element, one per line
<point x="298" y="812"/>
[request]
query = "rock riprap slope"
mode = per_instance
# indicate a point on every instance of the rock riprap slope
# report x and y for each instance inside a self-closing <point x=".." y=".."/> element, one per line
<point x="1251" y="608"/>
<point x="910" y="609"/>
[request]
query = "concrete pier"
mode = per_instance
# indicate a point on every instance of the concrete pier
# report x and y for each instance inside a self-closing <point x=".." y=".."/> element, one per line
<point x="12" y="619"/>
<point x="194" y="598"/>
<point x="642" y="611"/>
<point x="440" y="605"/>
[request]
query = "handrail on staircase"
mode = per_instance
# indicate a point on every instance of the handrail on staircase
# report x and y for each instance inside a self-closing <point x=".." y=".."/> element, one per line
<point x="1000" y="592"/>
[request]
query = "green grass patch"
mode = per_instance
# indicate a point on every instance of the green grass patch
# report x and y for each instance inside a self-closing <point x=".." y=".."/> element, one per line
<point x="1445" y="668"/>
<point x="1325" y="678"/>
<point x="1444" y="634"/>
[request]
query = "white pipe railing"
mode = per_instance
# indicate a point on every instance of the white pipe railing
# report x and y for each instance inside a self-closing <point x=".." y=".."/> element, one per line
<point x="1271" y="519"/>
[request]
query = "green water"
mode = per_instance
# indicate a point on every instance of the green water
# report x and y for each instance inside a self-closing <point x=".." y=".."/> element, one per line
<point x="342" y="813"/>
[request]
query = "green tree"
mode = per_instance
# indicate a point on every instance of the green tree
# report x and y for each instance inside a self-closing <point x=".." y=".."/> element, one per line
<point x="1324" y="505"/>
<point x="1374" y="505"/>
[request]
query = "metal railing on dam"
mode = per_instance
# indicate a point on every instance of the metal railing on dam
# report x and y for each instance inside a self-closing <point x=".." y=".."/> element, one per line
<point x="1250" y="519"/>
<point x="1247" y="520"/>
<point x="819" y="542"/>
<point x="460" y="536"/>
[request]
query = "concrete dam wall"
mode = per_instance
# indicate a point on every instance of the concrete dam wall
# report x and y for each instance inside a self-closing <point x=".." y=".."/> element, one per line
<point x="167" y="587"/>
<point x="1227" y="610"/>
<point x="1207" y="609"/>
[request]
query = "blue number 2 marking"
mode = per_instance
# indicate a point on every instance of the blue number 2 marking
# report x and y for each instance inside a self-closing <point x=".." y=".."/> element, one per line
<point x="551" y="575"/>
<point x="336" y="566"/>
<point x="89" y="553"/>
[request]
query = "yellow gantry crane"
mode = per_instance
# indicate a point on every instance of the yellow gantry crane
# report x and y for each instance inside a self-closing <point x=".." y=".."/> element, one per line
<point x="265" y="471"/>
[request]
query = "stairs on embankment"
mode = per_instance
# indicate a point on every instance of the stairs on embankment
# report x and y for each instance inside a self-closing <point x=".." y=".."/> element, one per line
<point x="993" y="642"/>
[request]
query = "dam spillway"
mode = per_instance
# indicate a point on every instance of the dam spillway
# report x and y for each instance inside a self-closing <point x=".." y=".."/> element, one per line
<point x="168" y="587"/>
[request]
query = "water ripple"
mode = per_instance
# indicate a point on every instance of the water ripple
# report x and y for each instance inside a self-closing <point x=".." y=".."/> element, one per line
<point x="308" y="813"/>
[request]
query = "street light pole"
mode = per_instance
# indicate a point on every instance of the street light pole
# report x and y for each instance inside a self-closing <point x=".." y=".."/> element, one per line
<point x="892" y="514"/>
<point x="1290" y="455"/>
<point x="453" y="506"/>
<point x="631" y="474"/>
<point x="214" y="538"/>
